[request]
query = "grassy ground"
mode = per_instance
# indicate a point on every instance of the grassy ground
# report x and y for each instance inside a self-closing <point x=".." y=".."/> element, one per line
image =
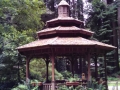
<point x="113" y="83"/>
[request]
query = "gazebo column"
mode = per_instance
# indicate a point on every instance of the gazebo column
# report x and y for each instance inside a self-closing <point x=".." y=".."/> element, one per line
<point x="96" y="68"/>
<point x="72" y="65"/>
<point x="52" y="57"/>
<point x="80" y="66"/>
<point x="89" y="71"/>
<point x="105" y="72"/>
<point x="76" y="66"/>
<point x="47" y="64"/>
<point x="27" y="69"/>
<point x="83" y="65"/>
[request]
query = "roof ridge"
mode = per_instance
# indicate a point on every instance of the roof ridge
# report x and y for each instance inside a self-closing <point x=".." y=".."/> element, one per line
<point x="56" y="28"/>
<point x="53" y="41"/>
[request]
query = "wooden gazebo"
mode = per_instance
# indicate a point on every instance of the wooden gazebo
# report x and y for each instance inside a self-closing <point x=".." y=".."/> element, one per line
<point x="64" y="36"/>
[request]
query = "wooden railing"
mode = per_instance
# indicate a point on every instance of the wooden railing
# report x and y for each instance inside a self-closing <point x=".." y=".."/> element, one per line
<point x="58" y="83"/>
<point x="47" y="86"/>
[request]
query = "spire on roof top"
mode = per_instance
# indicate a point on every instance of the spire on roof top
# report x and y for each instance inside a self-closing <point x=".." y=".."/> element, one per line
<point x="63" y="2"/>
<point x="63" y="9"/>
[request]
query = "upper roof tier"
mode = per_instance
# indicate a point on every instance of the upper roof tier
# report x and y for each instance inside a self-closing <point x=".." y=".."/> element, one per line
<point x="69" y="31"/>
<point x="63" y="15"/>
<point x="63" y="25"/>
<point x="65" y="21"/>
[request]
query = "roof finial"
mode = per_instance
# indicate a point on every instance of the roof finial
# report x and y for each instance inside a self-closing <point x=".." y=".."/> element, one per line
<point x="63" y="9"/>
<point x="63" y="2"/>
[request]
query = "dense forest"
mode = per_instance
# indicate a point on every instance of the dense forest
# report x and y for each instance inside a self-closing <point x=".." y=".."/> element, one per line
<point x="20" y="19"/>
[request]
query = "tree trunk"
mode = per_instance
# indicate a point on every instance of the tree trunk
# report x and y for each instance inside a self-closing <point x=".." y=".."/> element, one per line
<point x="115" y="43"/>
<point x="80" y="10"/>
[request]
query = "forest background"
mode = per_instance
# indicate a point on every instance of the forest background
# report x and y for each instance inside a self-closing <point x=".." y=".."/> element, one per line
<point x="20" y="19"/>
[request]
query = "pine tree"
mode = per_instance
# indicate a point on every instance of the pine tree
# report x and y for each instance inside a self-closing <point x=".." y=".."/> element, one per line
<point x="117" y="3"/>
<point x="80" y="10"/>
<point x="101" y="19"/>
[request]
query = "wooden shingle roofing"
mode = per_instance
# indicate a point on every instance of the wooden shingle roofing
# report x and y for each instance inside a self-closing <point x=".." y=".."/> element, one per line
<point x="62" y="30"/>
<point x="65" y="41"/>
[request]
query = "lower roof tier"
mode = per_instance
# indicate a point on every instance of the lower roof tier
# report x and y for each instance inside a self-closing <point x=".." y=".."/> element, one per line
<point x="64" y="41"/>
<point x="64" y="21"/>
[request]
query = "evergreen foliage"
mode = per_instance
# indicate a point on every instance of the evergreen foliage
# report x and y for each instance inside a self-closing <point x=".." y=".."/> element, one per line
<point x="80" y="10"/>
<point x="38" y="70"/>
<point x="102" y="20"/>
<point x="60" y="64"/>
<point x="22" y="14"/>
<point x="19" y="21"/>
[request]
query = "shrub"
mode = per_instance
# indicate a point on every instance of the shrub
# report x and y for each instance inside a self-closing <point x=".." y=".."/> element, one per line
<point x="112" y="79"/>
<point x="118" y="73"/>
<point x="63" y="87"/>
<point x="66" y="74"/>
<point x="38" y="70"/>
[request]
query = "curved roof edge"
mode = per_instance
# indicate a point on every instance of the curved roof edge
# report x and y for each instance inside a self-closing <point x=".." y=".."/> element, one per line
<point x="65" y="41"/>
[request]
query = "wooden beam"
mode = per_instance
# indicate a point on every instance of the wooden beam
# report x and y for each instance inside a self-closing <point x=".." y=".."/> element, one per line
<point x="27" y="69"/>
<point x="72" y="65"/>
<point x="52" y="57"/>
<point x="96" y="68"/>
<point x="47" y="64"/>
<point x="89" y="71"/>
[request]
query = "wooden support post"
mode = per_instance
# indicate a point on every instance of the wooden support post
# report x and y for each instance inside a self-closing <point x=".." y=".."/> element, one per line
<point x="72" y="65"/>
<point x="89" y="71"/>
<point x="84" y="65"/>
<point x="96" y="68"/>
<point x="105" y="71"/>
<point x="27" y="69"/>
<point x="47" y="64"/>
<point x="80" y="65"/>
<point x="52" y="57"/>
<point x="76" y="65"/>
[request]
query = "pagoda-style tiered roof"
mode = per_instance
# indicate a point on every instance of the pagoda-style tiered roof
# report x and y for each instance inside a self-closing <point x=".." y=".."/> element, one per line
<point x="64" y="31"/>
